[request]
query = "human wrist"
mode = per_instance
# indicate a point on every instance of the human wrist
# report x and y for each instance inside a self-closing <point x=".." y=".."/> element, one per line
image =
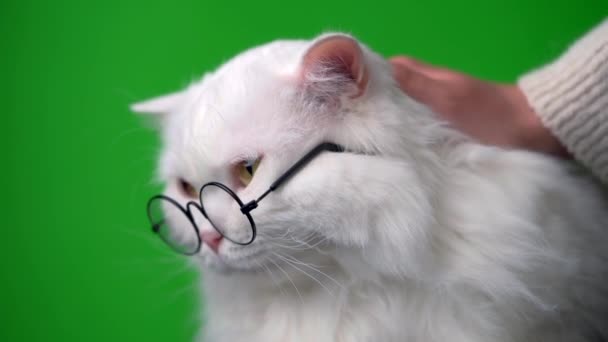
<point x="530" y="132"/>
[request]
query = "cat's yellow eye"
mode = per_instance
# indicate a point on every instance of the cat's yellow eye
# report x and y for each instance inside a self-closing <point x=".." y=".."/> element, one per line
<point x="246" y="170"/>
<point x="187" y="189"/>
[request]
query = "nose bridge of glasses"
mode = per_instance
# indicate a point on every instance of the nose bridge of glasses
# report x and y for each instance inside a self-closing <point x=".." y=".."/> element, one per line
<point x="204" y="226"/>
<point x="196" y="212"/>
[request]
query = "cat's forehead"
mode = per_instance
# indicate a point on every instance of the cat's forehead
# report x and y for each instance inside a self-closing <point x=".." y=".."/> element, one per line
<point x="250" y="80"/>
<point x="237" y="111"/>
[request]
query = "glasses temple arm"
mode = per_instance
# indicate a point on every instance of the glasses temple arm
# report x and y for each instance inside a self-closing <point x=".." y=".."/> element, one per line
<point x="326" y="146"/>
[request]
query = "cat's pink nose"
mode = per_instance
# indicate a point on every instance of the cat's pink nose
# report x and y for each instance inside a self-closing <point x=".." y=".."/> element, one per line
<point x="212" y="239"/>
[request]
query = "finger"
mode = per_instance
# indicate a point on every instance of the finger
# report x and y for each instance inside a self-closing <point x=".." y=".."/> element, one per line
<point x="429" y="70"/>
<point x="418" y="85"/>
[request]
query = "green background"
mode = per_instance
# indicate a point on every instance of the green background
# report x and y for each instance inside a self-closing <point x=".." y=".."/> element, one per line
<point x="78" y="260"/>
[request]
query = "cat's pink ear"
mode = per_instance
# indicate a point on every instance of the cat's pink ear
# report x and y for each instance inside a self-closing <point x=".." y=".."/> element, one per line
<point x="334" y="66"/>
<point x="159" y="105"/>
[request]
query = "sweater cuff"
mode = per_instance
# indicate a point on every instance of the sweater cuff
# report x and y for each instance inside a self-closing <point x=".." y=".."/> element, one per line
<point x="570" y="96"/>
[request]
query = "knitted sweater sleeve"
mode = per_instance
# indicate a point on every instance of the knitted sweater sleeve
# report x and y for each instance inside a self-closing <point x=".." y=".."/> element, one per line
<point x="570" y="96"/>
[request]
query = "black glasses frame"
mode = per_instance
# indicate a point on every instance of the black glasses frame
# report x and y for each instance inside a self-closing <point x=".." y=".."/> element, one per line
<point x="245" y="208"/>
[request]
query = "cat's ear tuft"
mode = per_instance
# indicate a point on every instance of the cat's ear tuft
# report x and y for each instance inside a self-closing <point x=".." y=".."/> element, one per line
<point x="333" y="67"/>
<point x="159" y="105"/>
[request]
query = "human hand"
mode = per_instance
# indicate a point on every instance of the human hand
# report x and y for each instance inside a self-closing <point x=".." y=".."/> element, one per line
<point x="492" y="113"/>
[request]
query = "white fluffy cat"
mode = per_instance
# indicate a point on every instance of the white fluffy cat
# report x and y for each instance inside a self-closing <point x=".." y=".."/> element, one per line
<point x="415" y="233"/>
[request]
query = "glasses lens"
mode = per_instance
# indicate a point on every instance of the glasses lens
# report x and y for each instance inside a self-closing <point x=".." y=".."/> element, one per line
<point x="172" y="224"/>
<point x="224" y="213"/>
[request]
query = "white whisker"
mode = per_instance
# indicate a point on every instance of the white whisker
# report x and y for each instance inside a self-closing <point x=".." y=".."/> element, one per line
<point x="290" y="263"/>
<point x="289" y="247"/>
<point x="289" y="278"/>
<point x="322" y="239"/>
<point x="173" y="274"/>
<point x="313" y="267"/>
<point x="272" y="278"/>
<point x="174" y="296"/>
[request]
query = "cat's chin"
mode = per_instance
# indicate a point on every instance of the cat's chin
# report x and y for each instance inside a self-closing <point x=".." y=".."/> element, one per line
<point x="227" y="266"/>
<point x="224" y="269"/>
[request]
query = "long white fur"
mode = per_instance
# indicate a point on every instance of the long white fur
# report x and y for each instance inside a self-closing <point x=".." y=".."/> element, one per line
<point x="422" y="235"/>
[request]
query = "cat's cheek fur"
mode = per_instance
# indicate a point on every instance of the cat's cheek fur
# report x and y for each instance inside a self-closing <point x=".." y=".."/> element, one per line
<point x="373" y="203"/>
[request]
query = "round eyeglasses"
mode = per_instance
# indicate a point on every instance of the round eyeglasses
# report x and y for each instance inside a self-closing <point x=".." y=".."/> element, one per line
<point x="176" y="225"/>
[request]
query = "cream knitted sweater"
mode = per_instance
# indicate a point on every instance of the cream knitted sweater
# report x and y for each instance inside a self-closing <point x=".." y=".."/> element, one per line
<point x="570" y="96"/>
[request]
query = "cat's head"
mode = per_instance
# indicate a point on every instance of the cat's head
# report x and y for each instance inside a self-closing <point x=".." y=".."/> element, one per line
<point x="271" y="105"/>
